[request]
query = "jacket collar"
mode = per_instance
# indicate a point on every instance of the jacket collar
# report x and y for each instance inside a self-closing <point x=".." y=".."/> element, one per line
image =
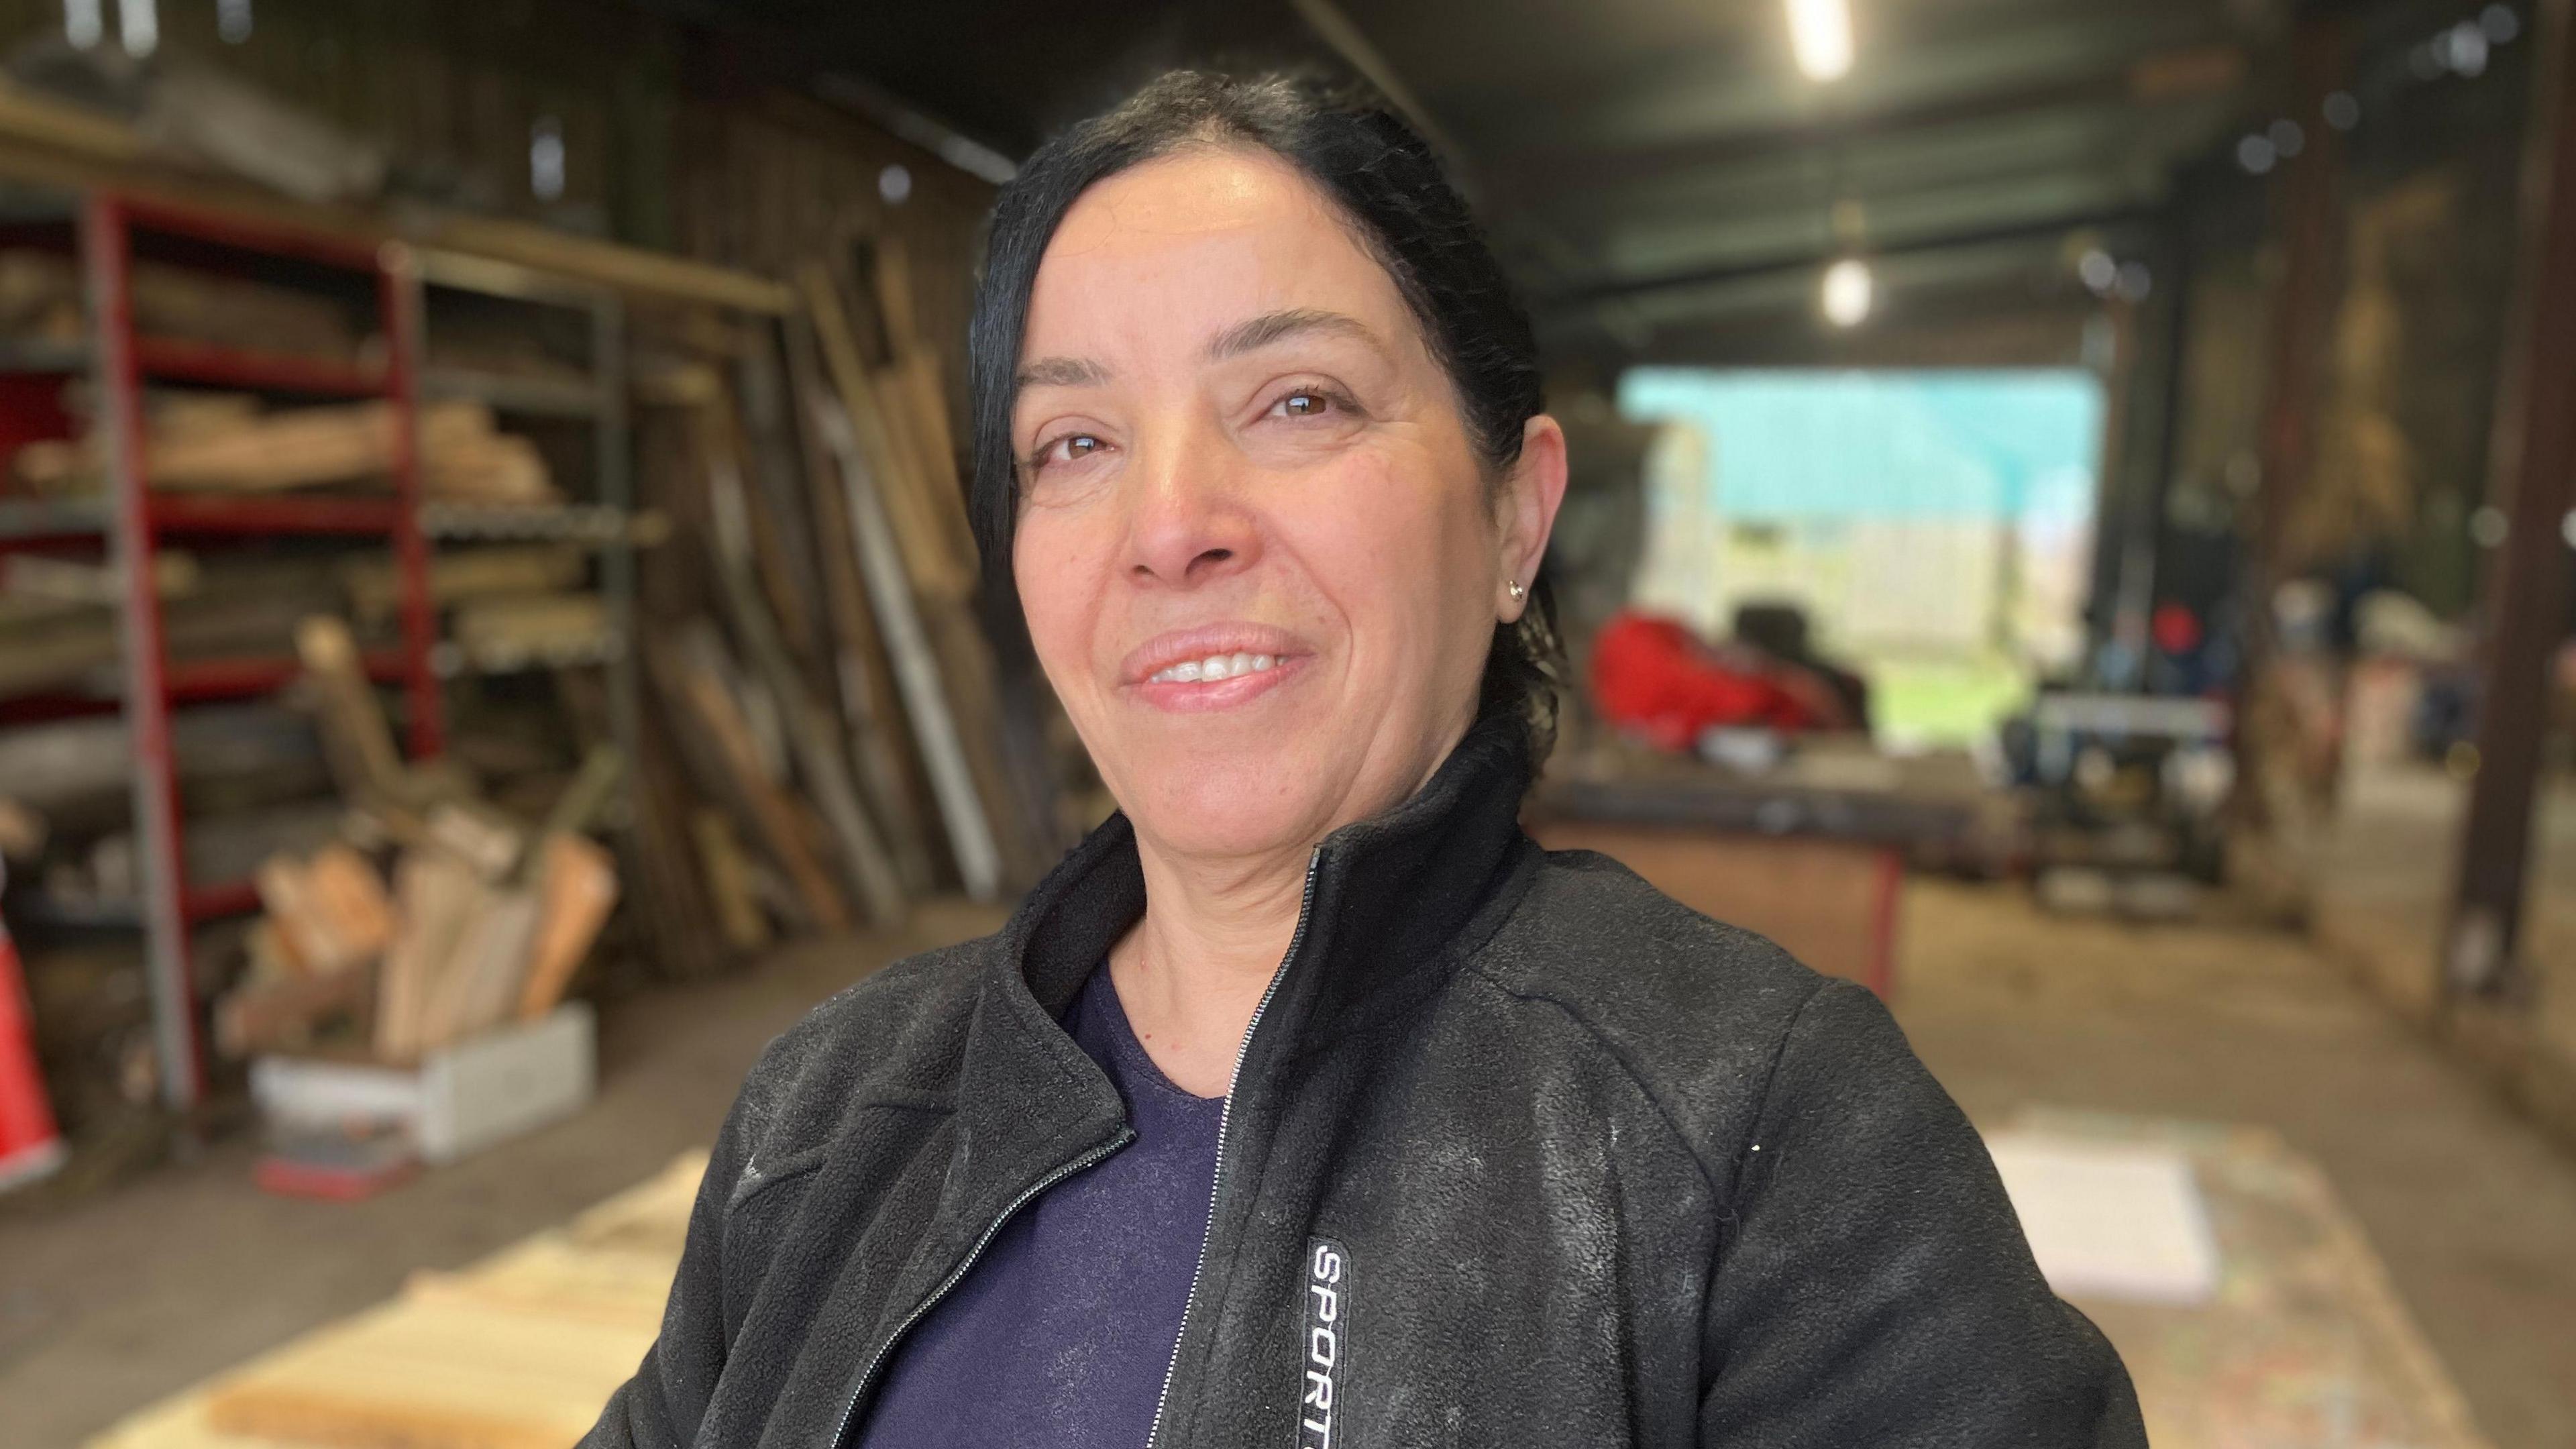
<point x="1394" y="901"/>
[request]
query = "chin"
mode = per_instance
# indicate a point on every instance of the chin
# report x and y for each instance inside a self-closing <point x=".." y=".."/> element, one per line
<point x="1210" y="810"/>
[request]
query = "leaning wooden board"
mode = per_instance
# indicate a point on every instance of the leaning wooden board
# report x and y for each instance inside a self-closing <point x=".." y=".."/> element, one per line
<point x="517" y="1352"/>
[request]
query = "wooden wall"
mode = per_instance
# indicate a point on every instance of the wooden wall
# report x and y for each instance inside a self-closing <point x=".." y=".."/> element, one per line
<point x="671" y="138"/>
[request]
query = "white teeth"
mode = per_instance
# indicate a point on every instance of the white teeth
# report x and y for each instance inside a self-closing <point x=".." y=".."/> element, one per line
<point x="1214" y="667"/>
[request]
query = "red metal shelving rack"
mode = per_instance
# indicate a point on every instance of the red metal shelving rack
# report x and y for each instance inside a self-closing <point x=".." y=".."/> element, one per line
<point x="121" y="361"/>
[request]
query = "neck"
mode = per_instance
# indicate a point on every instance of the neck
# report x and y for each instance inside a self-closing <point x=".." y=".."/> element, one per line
<point x="1192" y="971"/>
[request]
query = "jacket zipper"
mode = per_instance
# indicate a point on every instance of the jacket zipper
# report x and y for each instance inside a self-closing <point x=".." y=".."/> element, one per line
<point x="956" y="1275"/>
<point x="1224" y="1118"/>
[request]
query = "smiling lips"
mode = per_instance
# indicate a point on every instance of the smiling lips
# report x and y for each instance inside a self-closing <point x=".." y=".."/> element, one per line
<point x="1213" y="666"/>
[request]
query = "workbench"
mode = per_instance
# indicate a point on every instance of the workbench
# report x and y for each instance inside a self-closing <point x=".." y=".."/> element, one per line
<point x="1811" y="853"/>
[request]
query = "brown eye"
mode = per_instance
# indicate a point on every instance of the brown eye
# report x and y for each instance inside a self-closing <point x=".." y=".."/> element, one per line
<point x="1305" y="404"/>
<point x="1071" y="448"/>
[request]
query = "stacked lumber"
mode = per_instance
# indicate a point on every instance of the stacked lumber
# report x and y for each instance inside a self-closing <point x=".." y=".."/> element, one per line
<point x="248" y="776"/>
<point x="41" y="301"/>
<point x="59" y="616"/>
<point x="437" y="918"/>
<point x="227" y="443"/>
<point x="517" y="1351"/>
<point x="828" y="731"/>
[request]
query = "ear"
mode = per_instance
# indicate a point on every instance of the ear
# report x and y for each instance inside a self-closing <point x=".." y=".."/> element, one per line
<point x="1531" y="494"/>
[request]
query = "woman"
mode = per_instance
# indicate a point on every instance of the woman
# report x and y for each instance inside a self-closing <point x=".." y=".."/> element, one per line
<point x="1308" y="1102"/>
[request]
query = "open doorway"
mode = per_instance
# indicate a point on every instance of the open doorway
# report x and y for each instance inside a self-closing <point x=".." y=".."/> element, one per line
<point x="1934" y="526"/>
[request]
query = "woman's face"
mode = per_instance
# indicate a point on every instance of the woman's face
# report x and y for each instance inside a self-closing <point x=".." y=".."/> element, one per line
<point x="1260" y="561"/>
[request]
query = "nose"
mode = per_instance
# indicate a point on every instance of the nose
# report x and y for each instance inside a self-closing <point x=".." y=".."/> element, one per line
<point x="1188" y="522"/>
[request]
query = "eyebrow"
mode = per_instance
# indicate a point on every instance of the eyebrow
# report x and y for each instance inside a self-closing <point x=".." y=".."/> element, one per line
<point x="1242" y="337"/>
<point x="1272" y="327"/>
<point x="1061" y="372"/>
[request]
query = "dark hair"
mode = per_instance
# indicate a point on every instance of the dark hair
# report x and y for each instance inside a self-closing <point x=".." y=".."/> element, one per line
<point x="1391" y="188"/>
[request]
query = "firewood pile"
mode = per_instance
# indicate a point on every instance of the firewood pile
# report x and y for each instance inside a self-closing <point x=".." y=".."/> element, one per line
<point x="433" y="916"/>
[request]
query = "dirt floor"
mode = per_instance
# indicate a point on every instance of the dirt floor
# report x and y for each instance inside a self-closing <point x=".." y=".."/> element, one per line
<point x="136" y="1293"/>
<point x="2470" y="1207"/>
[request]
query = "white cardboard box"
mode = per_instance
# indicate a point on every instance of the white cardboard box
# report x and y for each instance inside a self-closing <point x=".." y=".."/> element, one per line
<point x="460" y="1099"/>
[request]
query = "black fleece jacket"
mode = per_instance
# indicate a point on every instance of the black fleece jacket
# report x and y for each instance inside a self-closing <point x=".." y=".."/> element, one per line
<point x="1520" y="1152"/>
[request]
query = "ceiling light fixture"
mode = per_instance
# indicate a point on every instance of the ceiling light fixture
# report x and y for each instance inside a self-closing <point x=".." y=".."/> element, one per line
<point x="1820" y="32"/>
<point x="1847" y="292"/>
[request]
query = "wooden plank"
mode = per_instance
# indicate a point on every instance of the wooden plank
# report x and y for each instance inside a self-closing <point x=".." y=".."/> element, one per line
<point x="923" y="485"/>
<point x="223" y="444"/>
<point x="281" y="1013"/>
<point x="925" y="395"/>
<point x="51" y="143"/>
<point x="577" y="886"/>
<point x="478" y="834"/>
<point x="436" y="893"/>
<point x="934" y="722"/>
<point x="437" y="1372"/>
<point x="515" y="631"/>
<point x="925" y="556"/>
<point x="911" y="387"/>
<point x="582" y="800"/>
<point x="479" y="981"/>
<point x="890" y="276"/>
<point x="331" y="911"/>
<point x="517" y="1350"/>
<point x="907" y="481"/>
<point x="75" y="131"/>
<point x="868" y="864"/>
<point x="967" y="665"/>
<point x="650" y="1217"/>
<point x="866" y="684"/>
<point x="747" y="440"/>
<point x="456" y="575"/>
<point x="674" y="896"/>
<point x="626" y="269"/>
<point x="710" y="723"/>
<point x="728" y="877"/>
<point x="356" y="739"/>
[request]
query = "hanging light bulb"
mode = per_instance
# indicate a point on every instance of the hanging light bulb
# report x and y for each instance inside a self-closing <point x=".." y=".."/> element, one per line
<point x="1847" y="292"/>
<point x="1820" y="34"/>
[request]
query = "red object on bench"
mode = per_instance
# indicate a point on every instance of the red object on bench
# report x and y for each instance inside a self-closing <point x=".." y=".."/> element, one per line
<point x="1657" y="680"/>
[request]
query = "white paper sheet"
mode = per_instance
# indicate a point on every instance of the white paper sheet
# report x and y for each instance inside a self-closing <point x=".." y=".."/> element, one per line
<point x="2111" y="1220"/>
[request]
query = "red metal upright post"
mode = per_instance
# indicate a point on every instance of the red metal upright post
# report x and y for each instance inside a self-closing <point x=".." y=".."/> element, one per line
<point x="122" y="359"/>
<point x="395" y="300"/>
<point x="107" y="240"/>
